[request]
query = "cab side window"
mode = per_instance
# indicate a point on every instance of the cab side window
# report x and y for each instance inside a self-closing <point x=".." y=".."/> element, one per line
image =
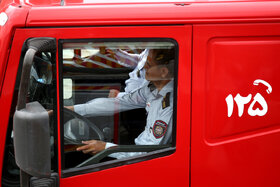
<point x="118" y="100"/>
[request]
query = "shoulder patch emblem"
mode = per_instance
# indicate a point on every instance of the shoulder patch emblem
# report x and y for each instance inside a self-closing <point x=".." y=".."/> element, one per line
<point x="166" y="101"/>
<point x="159" y="129"/>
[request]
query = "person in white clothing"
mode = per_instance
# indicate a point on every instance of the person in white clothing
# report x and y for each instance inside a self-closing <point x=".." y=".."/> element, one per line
<point x="156" y="95"/>
<point x="137" y="76"/>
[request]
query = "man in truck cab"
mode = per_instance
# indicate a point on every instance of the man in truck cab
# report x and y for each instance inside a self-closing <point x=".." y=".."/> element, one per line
<point x="156" y="95"/>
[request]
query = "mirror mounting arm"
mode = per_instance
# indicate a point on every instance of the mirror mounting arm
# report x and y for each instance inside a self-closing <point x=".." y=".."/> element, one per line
<point x="24" y="82"/>
<point x="34" y="45"/>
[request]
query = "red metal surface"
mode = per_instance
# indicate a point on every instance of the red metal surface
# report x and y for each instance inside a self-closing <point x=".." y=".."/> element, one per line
<point x="151" y="171"/>
<point x="42" y="2"/>
<point x="16" y="18"/>
<point x="235" y="149"/>
<point x="110" y="2"/>
<point x="227" y="58"/>
<point x="117" y="2"/>
<point x="6" y="90"/>
<point x="220" y="12"/>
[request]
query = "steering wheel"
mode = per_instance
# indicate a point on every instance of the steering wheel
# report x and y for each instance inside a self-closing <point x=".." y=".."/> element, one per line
<point x="84" y="120"/>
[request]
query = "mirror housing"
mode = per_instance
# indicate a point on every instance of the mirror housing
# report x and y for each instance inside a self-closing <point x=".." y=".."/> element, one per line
<point x="31" y="121"/>
<point x="32" y="140"/>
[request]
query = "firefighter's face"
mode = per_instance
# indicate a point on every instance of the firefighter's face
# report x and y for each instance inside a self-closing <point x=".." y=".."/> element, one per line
<point x="154" y="72"/>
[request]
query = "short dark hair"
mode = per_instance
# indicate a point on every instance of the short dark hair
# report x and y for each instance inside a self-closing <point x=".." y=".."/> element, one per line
<point x="165" y="57"/>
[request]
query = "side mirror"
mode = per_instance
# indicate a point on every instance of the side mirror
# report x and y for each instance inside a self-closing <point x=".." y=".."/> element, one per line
<point x="31" y="121"/>
<point x="32" y="140"/>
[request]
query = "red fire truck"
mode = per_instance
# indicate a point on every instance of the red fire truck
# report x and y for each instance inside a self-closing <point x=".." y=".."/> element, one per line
<point x="223" y="117"/>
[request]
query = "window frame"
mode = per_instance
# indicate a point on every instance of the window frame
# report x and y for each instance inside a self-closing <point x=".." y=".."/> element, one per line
<point x="124" y="161"/>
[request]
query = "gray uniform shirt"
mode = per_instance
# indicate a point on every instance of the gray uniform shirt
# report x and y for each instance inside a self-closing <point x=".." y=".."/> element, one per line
<point x="159" y="107"/>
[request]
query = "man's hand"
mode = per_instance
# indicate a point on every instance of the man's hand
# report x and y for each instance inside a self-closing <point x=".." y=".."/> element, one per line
<point x="92" y="146"/>
<point x="50" y="112"/>
<point x="69" y="107"/>
<point x="113" y="93"/>
<point x="111" y="52"/>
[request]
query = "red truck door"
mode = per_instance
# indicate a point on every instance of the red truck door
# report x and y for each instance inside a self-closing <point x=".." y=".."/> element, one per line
<point x="84" y="69"/>
<point x="235" y="123"/>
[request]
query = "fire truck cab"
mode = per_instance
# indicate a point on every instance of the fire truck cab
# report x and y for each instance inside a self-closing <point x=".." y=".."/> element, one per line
<point x="213" y="123"/>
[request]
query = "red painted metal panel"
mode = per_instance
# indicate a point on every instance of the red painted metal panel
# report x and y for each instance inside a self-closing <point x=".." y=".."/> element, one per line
<point x="235" y="141"/>
<point x="16" y="18"/>
<point x="164" y="171"/>
<point x="6" y="88"/>
<point x="117" y="2"/>
<point x="169" y="13"/>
